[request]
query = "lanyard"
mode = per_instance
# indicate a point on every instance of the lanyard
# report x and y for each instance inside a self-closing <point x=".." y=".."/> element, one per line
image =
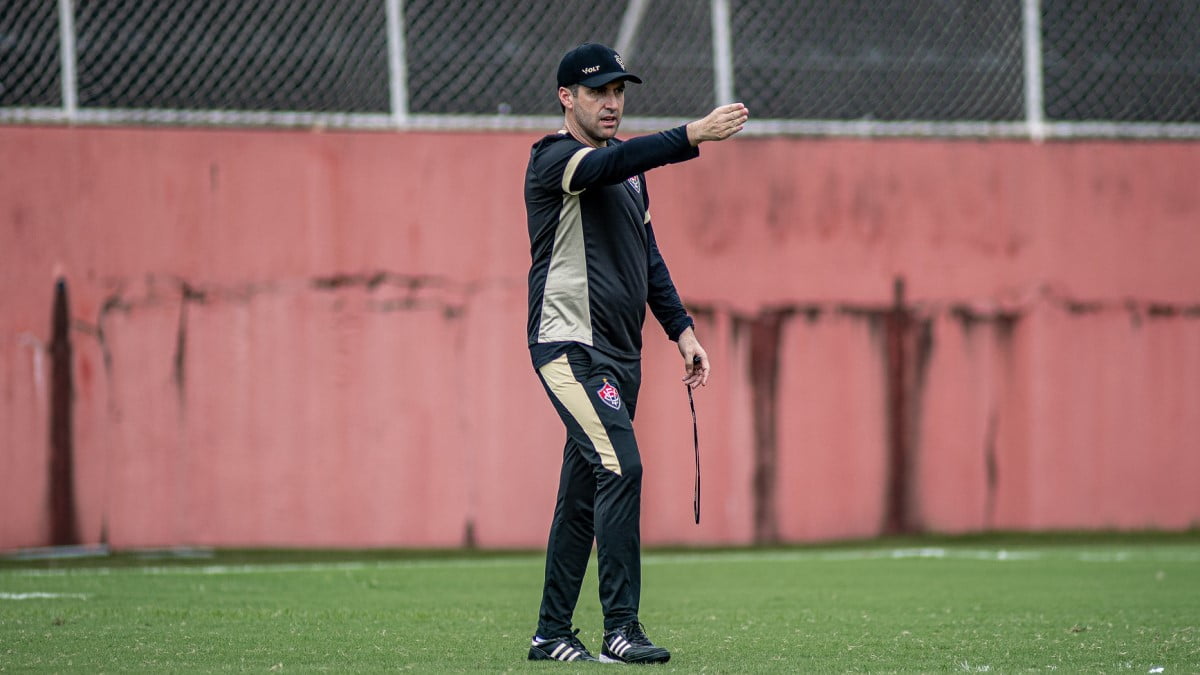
<point x="696" y="446"/>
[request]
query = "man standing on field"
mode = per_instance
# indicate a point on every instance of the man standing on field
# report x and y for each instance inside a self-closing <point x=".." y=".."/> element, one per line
<point x="595" y="267"/>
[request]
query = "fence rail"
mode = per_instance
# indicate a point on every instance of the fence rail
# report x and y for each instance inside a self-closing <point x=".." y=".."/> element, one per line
<point x="956" y="68"/>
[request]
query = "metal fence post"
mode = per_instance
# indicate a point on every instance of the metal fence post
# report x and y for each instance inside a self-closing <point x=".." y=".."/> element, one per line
<point x="1034" y="107"/>
<point x="722" y="53"/>
<point x="397" y="63"/>
<point x="631" y="21"/>
<point x="66" y="39"/>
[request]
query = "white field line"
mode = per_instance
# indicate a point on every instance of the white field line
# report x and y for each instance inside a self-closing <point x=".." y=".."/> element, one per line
<point x="1165" y="555"/>
<point x="43" y="596"/>
<point x="998" y="555"/>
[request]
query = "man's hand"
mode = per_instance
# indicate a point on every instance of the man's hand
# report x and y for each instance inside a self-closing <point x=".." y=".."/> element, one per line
<point x="720" y="124"/>
<point x="690" y="349"/>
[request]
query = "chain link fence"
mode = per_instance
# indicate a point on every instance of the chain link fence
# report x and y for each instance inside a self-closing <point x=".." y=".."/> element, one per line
<point x="859" y="59"/>
<point x="1122" y="61"/>
<point x="1040" y="68"/>
<point x="29" y="55"/>
<point x="314" y="56"/>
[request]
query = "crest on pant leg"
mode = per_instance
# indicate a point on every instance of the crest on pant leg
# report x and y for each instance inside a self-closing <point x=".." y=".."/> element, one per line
<point x="609" y="395"/>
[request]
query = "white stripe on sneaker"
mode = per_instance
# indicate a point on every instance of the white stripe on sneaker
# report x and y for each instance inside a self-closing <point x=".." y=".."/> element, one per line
<point x="565" y="652"/>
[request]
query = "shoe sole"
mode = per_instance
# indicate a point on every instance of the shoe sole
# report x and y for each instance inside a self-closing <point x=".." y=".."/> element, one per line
<point x="604" y="658"/>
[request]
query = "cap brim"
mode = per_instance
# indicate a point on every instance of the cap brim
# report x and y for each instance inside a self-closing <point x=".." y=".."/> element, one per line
<point x="597" y="81"/>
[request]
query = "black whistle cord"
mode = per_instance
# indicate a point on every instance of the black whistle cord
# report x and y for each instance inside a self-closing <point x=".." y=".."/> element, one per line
<point x="696" y="445"/>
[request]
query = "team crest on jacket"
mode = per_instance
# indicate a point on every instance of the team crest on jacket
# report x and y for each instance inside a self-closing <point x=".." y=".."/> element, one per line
<point x="635" y="183"/>
<point x="609" y="395"/>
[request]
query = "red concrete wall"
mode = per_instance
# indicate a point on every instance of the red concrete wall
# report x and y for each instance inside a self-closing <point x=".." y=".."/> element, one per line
<point x="303" y="338"/>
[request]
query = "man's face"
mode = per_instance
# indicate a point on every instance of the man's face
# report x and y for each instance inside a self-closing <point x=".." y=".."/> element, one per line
<point x="596" y="112"/>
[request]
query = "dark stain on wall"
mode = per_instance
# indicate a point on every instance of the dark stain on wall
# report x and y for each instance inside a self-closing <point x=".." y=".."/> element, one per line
<point x="908" y="350"/>
<point x="765" y="331"/>
<point x="179" y="362"/>
<point x="64" y="525"/>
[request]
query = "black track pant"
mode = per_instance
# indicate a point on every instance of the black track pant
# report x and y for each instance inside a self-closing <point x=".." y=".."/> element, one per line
<point x="599" y="491"/>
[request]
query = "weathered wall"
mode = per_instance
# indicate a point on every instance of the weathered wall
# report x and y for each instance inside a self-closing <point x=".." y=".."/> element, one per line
<point x="304" y="338"/>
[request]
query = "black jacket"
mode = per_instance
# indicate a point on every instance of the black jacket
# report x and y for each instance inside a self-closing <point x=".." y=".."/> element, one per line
<point x="595" y="264"/>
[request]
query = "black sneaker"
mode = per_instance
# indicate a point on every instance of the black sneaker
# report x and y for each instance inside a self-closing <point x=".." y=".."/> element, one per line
<point x="567" y="648"/>
<point x="629" y="644"/>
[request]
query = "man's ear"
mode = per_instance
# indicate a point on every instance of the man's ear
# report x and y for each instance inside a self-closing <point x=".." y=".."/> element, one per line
<point x="564" y="97"/>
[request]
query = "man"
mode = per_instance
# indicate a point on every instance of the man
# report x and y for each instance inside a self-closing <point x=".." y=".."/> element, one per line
<point x="595" y="268"/>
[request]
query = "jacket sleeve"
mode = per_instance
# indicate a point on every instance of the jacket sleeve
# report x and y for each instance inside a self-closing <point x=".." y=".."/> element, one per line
<point x="618" y="161"/>
<point x="661" y="294"/>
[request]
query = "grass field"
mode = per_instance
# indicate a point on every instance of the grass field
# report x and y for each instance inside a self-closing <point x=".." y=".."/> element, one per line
<point x="998" y="604"/>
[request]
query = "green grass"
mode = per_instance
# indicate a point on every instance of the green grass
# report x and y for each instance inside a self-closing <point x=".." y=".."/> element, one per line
<point x="1068" y="604"/>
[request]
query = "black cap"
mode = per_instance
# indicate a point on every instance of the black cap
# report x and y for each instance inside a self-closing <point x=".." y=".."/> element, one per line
<point x="592" y="65"/>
